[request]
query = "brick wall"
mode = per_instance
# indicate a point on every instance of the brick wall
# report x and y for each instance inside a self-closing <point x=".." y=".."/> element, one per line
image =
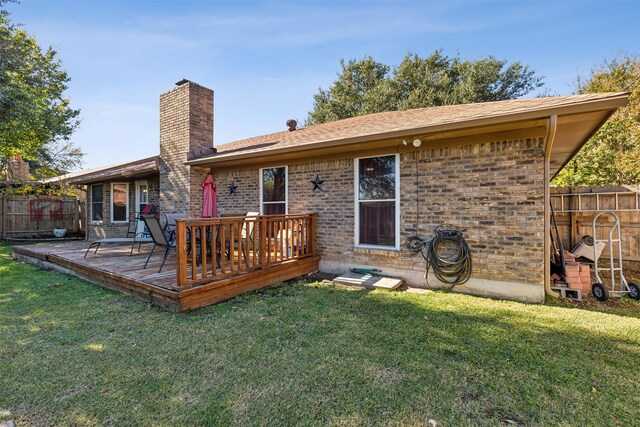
<point x="186" y="124"/>
<point x="494" y="188"/>
<point x="107" y="229"/>
<point x="334" y="204"/>
<point x="247" y="197"/>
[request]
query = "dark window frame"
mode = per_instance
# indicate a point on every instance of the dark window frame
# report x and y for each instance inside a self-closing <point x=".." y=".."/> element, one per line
<point x="97" y="207"/>
<point x="274" y="203"/>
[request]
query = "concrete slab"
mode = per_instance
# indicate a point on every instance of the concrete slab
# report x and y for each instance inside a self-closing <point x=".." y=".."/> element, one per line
<point x="368" y="281"/>
<point x="418" y="290"/>
<point x="514" y="291"/>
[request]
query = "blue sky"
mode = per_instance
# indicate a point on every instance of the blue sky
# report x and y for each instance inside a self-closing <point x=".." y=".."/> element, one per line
<point x="265" y="60"/>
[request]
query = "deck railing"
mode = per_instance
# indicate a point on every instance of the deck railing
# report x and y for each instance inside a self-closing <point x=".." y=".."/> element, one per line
<point x="209" y="249"/>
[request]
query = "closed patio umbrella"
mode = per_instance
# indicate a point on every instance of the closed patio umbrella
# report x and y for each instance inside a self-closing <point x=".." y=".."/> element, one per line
<point x="209" y="205"/>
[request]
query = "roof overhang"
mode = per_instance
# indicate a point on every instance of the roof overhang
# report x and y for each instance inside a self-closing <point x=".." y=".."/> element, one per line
<point x="577" y="122"/>
<point x="125" y="171"/>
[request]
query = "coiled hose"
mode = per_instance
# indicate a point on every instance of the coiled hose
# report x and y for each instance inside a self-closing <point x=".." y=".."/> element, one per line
<point x="447" y="254"/>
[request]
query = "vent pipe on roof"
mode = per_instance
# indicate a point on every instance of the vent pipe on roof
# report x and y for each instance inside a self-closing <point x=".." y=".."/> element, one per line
<point x="292" y="124"/>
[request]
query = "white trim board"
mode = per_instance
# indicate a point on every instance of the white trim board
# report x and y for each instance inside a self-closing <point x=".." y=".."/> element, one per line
<point x="127" y="200"/>
<point x="286" y="188"/>
<point x="137" y="193"/>
<point x="356" y="203"/>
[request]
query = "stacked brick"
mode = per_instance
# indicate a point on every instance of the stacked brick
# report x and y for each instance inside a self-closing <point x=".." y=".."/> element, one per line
<point x="19" y="168"/>
<point x="186" y="124"/>
<point x="577" y="276"/>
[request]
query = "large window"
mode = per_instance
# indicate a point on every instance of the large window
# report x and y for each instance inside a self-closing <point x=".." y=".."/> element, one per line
<point x="97" y="197"/>
<point x="119" y="202"/>
<point x="377" y="202"/>
<point x="273" y="191"/>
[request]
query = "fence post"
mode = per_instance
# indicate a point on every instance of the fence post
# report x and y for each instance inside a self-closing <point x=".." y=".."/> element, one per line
<point x="573" y="230"/>
<point x="3" y="212"/>
<point x="76" y="214"/>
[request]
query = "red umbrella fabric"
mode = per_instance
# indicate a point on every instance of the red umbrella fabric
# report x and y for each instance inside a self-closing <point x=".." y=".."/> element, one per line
<point x="209" y="205"/>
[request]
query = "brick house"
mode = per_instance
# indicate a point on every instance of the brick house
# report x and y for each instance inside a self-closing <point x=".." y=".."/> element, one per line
<point x="384" y="177"/>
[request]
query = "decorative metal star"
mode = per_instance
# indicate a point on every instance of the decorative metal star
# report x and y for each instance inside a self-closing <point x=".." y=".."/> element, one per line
<point x="317" y="183"/>
<point x="233" y="188"/>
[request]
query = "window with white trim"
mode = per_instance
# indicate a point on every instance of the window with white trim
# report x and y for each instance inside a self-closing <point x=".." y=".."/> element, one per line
<point x="119" y="202"/>
<point x="377" y="194"/>
<point x="142" y="195"/>
<point x="97" y="197"/>
<point x="273" y="191"/>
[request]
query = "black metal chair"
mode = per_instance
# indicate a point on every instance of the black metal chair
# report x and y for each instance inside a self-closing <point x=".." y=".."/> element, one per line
<point x="170" y="221"/>
<point x="159" y="238"/>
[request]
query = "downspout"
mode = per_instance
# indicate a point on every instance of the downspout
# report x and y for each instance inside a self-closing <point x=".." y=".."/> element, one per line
<point x="548" y="145"/>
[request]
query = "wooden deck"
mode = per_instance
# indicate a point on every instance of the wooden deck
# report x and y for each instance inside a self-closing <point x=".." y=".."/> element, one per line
<point x="113" y="267"/>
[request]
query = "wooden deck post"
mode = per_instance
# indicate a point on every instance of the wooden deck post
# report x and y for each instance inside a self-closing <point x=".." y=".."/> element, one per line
<point x="312" y="235"/>
<point x="263" y="241"/>
<point x="181" y="252"/>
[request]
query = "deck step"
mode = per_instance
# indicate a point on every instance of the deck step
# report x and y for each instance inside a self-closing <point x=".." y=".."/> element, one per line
<point x="368" y="281"/>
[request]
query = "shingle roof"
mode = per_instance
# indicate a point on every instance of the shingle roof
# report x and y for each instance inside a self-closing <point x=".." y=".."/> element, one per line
<point x="379" y="124"/>
<point x="371" y="127"/>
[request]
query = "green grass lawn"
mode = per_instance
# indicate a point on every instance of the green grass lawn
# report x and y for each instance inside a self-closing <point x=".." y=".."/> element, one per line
<point x="72" y="353"/>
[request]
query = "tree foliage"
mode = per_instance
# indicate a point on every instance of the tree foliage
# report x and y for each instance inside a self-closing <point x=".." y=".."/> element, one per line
<point x="36" y="119"/>
<point x="366" y="86"/>
<point x="55" y="158"/>
<point x="612" y="156"/>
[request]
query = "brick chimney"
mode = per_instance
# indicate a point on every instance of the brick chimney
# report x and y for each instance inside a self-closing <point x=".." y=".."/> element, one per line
<point x="186" y="124"/>
<point x="19" y="168"/>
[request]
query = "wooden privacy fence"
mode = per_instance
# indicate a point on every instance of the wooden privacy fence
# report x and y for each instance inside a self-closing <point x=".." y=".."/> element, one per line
<point x="210" y="249"/>
<point x="575" y="210"/>
<point x="23" y="216"/>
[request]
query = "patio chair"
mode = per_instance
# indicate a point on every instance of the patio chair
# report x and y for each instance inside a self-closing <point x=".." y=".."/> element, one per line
<point x="139" y="237"/>
<point x="246" y="235"/>
<point x="135" y="220"/>
<point x="249" y="225"/>
<point x="289" y="241"/>
<point x="170" y="221"/>
<point x="160" y="238"/>
<point x="137" y="229"/>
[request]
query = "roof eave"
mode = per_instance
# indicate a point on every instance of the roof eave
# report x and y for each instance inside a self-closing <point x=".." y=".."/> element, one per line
<point x="138" y="174"/>
<point x="579" y="146"/>
<point x="90" y="177"/>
